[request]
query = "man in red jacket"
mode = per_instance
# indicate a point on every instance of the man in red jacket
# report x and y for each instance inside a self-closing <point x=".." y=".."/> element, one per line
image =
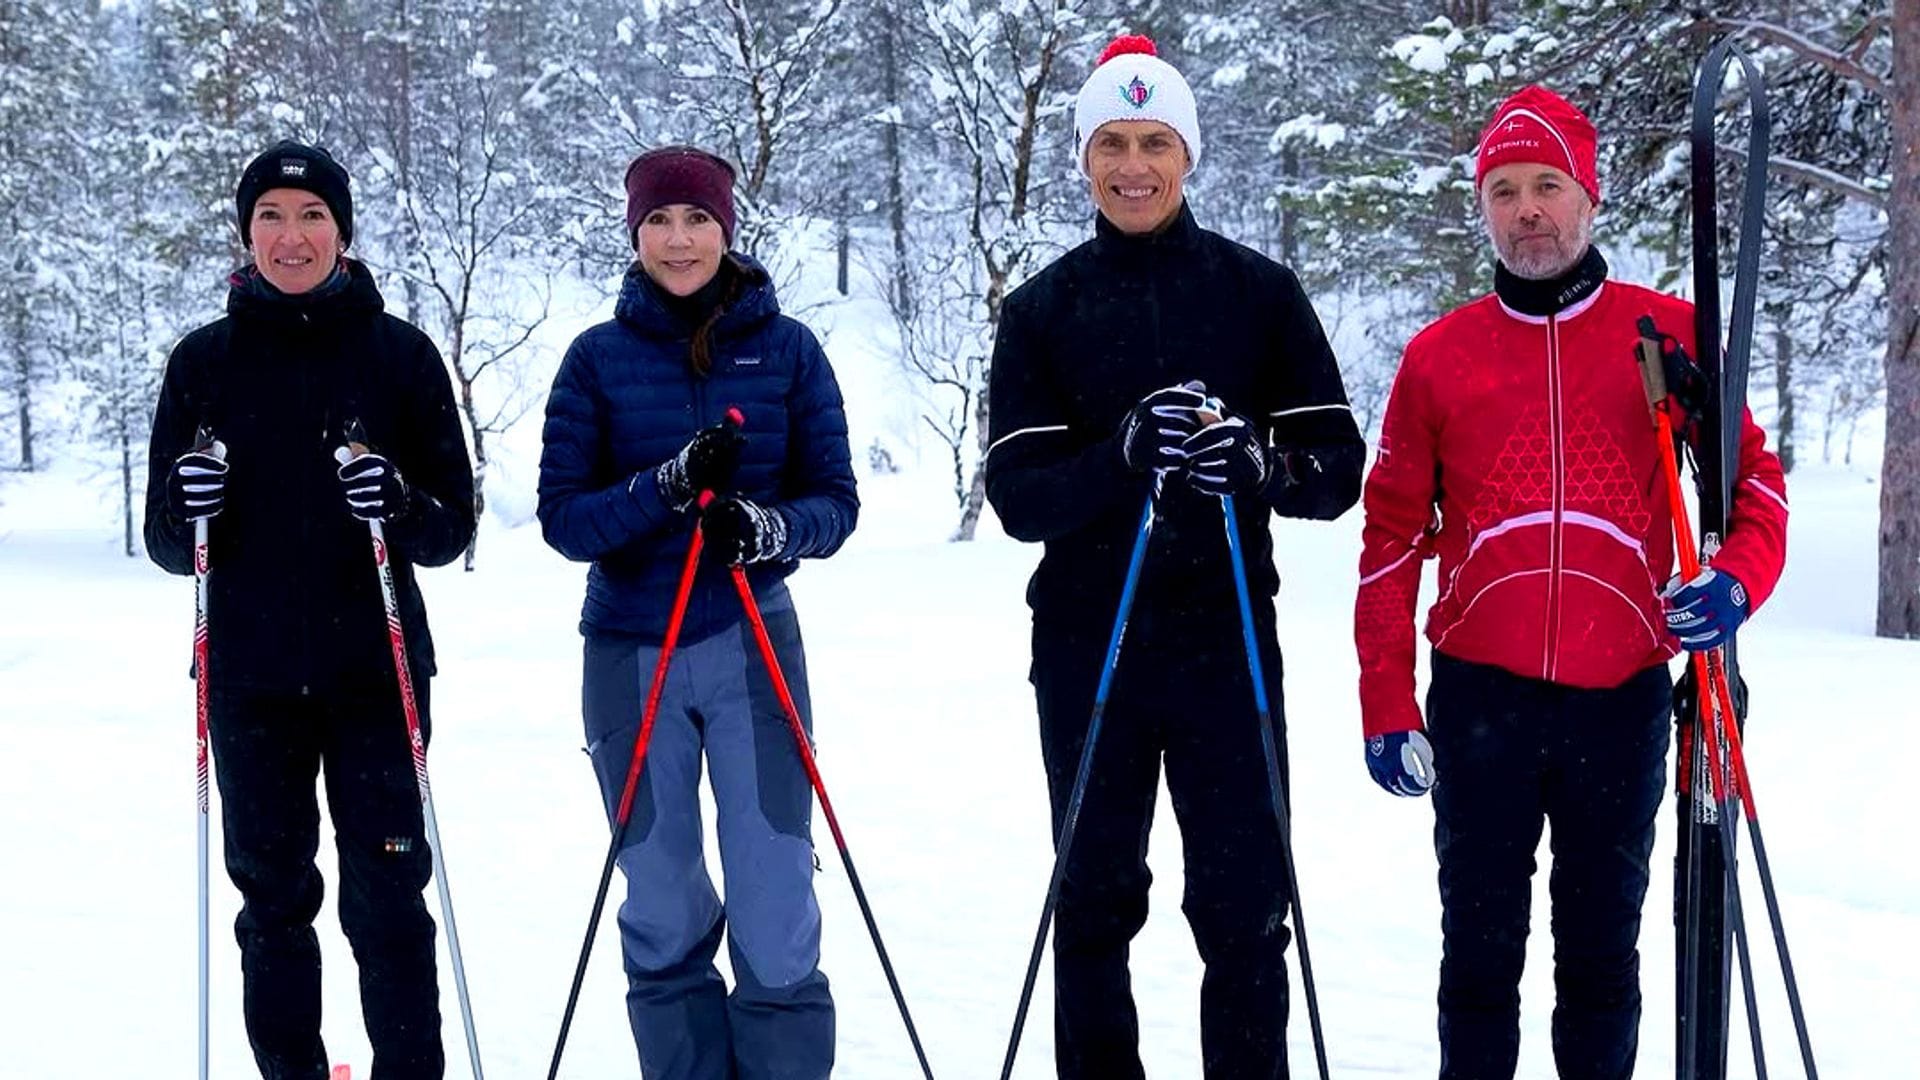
<point x="1517" y="447"/>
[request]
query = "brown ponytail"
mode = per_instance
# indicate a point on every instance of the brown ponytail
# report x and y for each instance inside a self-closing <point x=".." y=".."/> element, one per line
<point x="699" y="349"/>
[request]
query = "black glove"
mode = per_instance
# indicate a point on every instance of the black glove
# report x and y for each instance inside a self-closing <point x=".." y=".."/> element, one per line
<point x="739" y="531"/>
<point x="1152" y="434"/>
<point x="706" y="463"/>
<point x="1686" y="383"/>
<point x="197" y="485"/>
<point x="1227" y="457"/>
<point x="373" y="487"/>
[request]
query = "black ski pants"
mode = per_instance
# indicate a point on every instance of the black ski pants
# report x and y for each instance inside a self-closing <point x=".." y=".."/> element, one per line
<point x="1182" y="694"/>
<point x="1512" y="754"/>
<point x="269" y="749"/>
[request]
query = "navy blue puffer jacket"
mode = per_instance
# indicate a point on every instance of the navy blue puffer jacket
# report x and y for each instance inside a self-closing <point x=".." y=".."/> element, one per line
<point x="626" y="399"/>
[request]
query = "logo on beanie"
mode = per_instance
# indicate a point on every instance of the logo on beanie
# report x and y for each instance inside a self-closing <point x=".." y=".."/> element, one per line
<point x="293" y="167"/>
<point x="1136" y="93"/>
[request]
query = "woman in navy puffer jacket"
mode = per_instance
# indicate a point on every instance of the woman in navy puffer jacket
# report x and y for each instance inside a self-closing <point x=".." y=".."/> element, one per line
<point x="633" y="434"/>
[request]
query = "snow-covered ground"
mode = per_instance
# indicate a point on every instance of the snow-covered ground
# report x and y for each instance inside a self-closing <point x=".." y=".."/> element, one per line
<point x="917" y="652"/>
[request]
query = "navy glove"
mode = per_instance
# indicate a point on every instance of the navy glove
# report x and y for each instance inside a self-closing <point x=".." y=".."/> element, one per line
<point x="1704" y="613"/>
<point x="1152" y="434"/>
<point x="706" y="463"/>
<point x="1227" y="457"/>
<point x="1401" y="762"/>
<point x="373" y="487"/>
<point x="739" y="531"/>
<point x="197" y="484"/>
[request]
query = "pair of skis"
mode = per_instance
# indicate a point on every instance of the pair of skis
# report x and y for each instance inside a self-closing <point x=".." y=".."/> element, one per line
<point x="1711" y="778"/>
<point x="396" y="636"/>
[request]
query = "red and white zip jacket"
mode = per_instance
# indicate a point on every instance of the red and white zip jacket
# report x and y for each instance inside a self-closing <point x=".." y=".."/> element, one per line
<point x="1521" y="451"/>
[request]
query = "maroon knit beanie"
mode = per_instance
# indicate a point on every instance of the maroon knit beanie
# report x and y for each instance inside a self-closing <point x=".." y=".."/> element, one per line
<point x="679" y="174"/>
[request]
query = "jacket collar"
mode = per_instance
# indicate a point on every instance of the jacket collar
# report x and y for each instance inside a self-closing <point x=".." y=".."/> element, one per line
<point x="642" y="308"/>
<point x="250" y="296"/>
<point x="1180" y="234"/>
<point x="1563" y="297"/>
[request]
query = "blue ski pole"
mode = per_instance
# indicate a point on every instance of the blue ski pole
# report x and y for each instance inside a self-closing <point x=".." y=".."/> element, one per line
<point x="1276" y="787"/>
<point x="1072" y="816"/>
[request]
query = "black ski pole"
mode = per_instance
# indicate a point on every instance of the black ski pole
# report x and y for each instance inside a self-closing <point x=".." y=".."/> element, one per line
<point x="1744" y="785"/>
<point x="1071" y="818"/>
<point x="1723" y="799"/>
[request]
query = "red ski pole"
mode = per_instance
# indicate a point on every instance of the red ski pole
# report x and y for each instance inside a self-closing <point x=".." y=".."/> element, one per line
<point x="805" y="746"/>
<point x="1716" y="723"/>
<point x="682" y="595"/>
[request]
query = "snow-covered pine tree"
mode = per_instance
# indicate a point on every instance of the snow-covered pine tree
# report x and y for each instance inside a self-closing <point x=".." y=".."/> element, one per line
<point x="1387" y="205"/>
<point x="45" y="60"/>
<point x="122" y="326"/>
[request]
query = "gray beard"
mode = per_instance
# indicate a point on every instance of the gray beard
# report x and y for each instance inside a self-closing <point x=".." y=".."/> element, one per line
<point x="1546" y="265"/>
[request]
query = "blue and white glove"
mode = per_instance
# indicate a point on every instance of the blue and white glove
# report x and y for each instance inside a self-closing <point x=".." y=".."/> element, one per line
<point x="1704" y="613"/>
<point x="1401" y="762"/>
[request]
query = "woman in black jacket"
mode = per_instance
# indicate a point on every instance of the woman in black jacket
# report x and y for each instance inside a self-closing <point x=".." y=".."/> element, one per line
<point x="299" y="663"/>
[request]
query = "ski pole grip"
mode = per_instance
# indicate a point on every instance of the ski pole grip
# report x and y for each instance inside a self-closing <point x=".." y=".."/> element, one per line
<point x="706" y="499"/>
<point x="205" y="443"/>
<point x="1653" y="371"/>
<point x="356" y="437"/>
<point x="734" y="418"/>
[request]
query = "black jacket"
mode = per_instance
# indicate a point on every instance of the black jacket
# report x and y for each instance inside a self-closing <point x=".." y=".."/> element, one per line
<point x="1103" y="326"/>
<point x="294" y="602"/>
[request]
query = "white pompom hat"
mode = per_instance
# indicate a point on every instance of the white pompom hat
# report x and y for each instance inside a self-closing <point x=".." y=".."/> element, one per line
<point x="1131" y="82"/>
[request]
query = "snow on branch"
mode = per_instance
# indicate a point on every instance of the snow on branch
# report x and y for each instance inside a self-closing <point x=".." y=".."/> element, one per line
<point x="1816" y="176"/>
<point x="1847" y="66"/>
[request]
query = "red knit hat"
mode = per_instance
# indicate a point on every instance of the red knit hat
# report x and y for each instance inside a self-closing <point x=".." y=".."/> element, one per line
<point x="1539" y="126"/>
<point x="680" y="174"/>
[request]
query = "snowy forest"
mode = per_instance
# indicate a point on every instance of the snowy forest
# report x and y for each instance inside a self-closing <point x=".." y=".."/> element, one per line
<point x="926" y="146"/>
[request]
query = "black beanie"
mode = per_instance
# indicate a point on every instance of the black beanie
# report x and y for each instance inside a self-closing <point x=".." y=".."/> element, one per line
<point x="290" y="164"/>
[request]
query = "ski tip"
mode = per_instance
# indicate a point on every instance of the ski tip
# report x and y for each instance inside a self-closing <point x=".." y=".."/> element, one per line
<point x="341" y="1072"/>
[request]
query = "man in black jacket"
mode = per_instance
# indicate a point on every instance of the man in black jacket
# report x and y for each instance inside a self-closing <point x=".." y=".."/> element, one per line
<point x="299" y="662"/>
<point x="1161" y="356"/>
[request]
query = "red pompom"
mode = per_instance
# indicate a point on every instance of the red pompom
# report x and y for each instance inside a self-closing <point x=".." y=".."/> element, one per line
<point x="1128" y="43"/>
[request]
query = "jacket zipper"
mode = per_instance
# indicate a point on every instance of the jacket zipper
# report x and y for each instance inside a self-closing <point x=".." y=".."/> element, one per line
<point x="1550" y="655"/>
<point x="301" y="585"/>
